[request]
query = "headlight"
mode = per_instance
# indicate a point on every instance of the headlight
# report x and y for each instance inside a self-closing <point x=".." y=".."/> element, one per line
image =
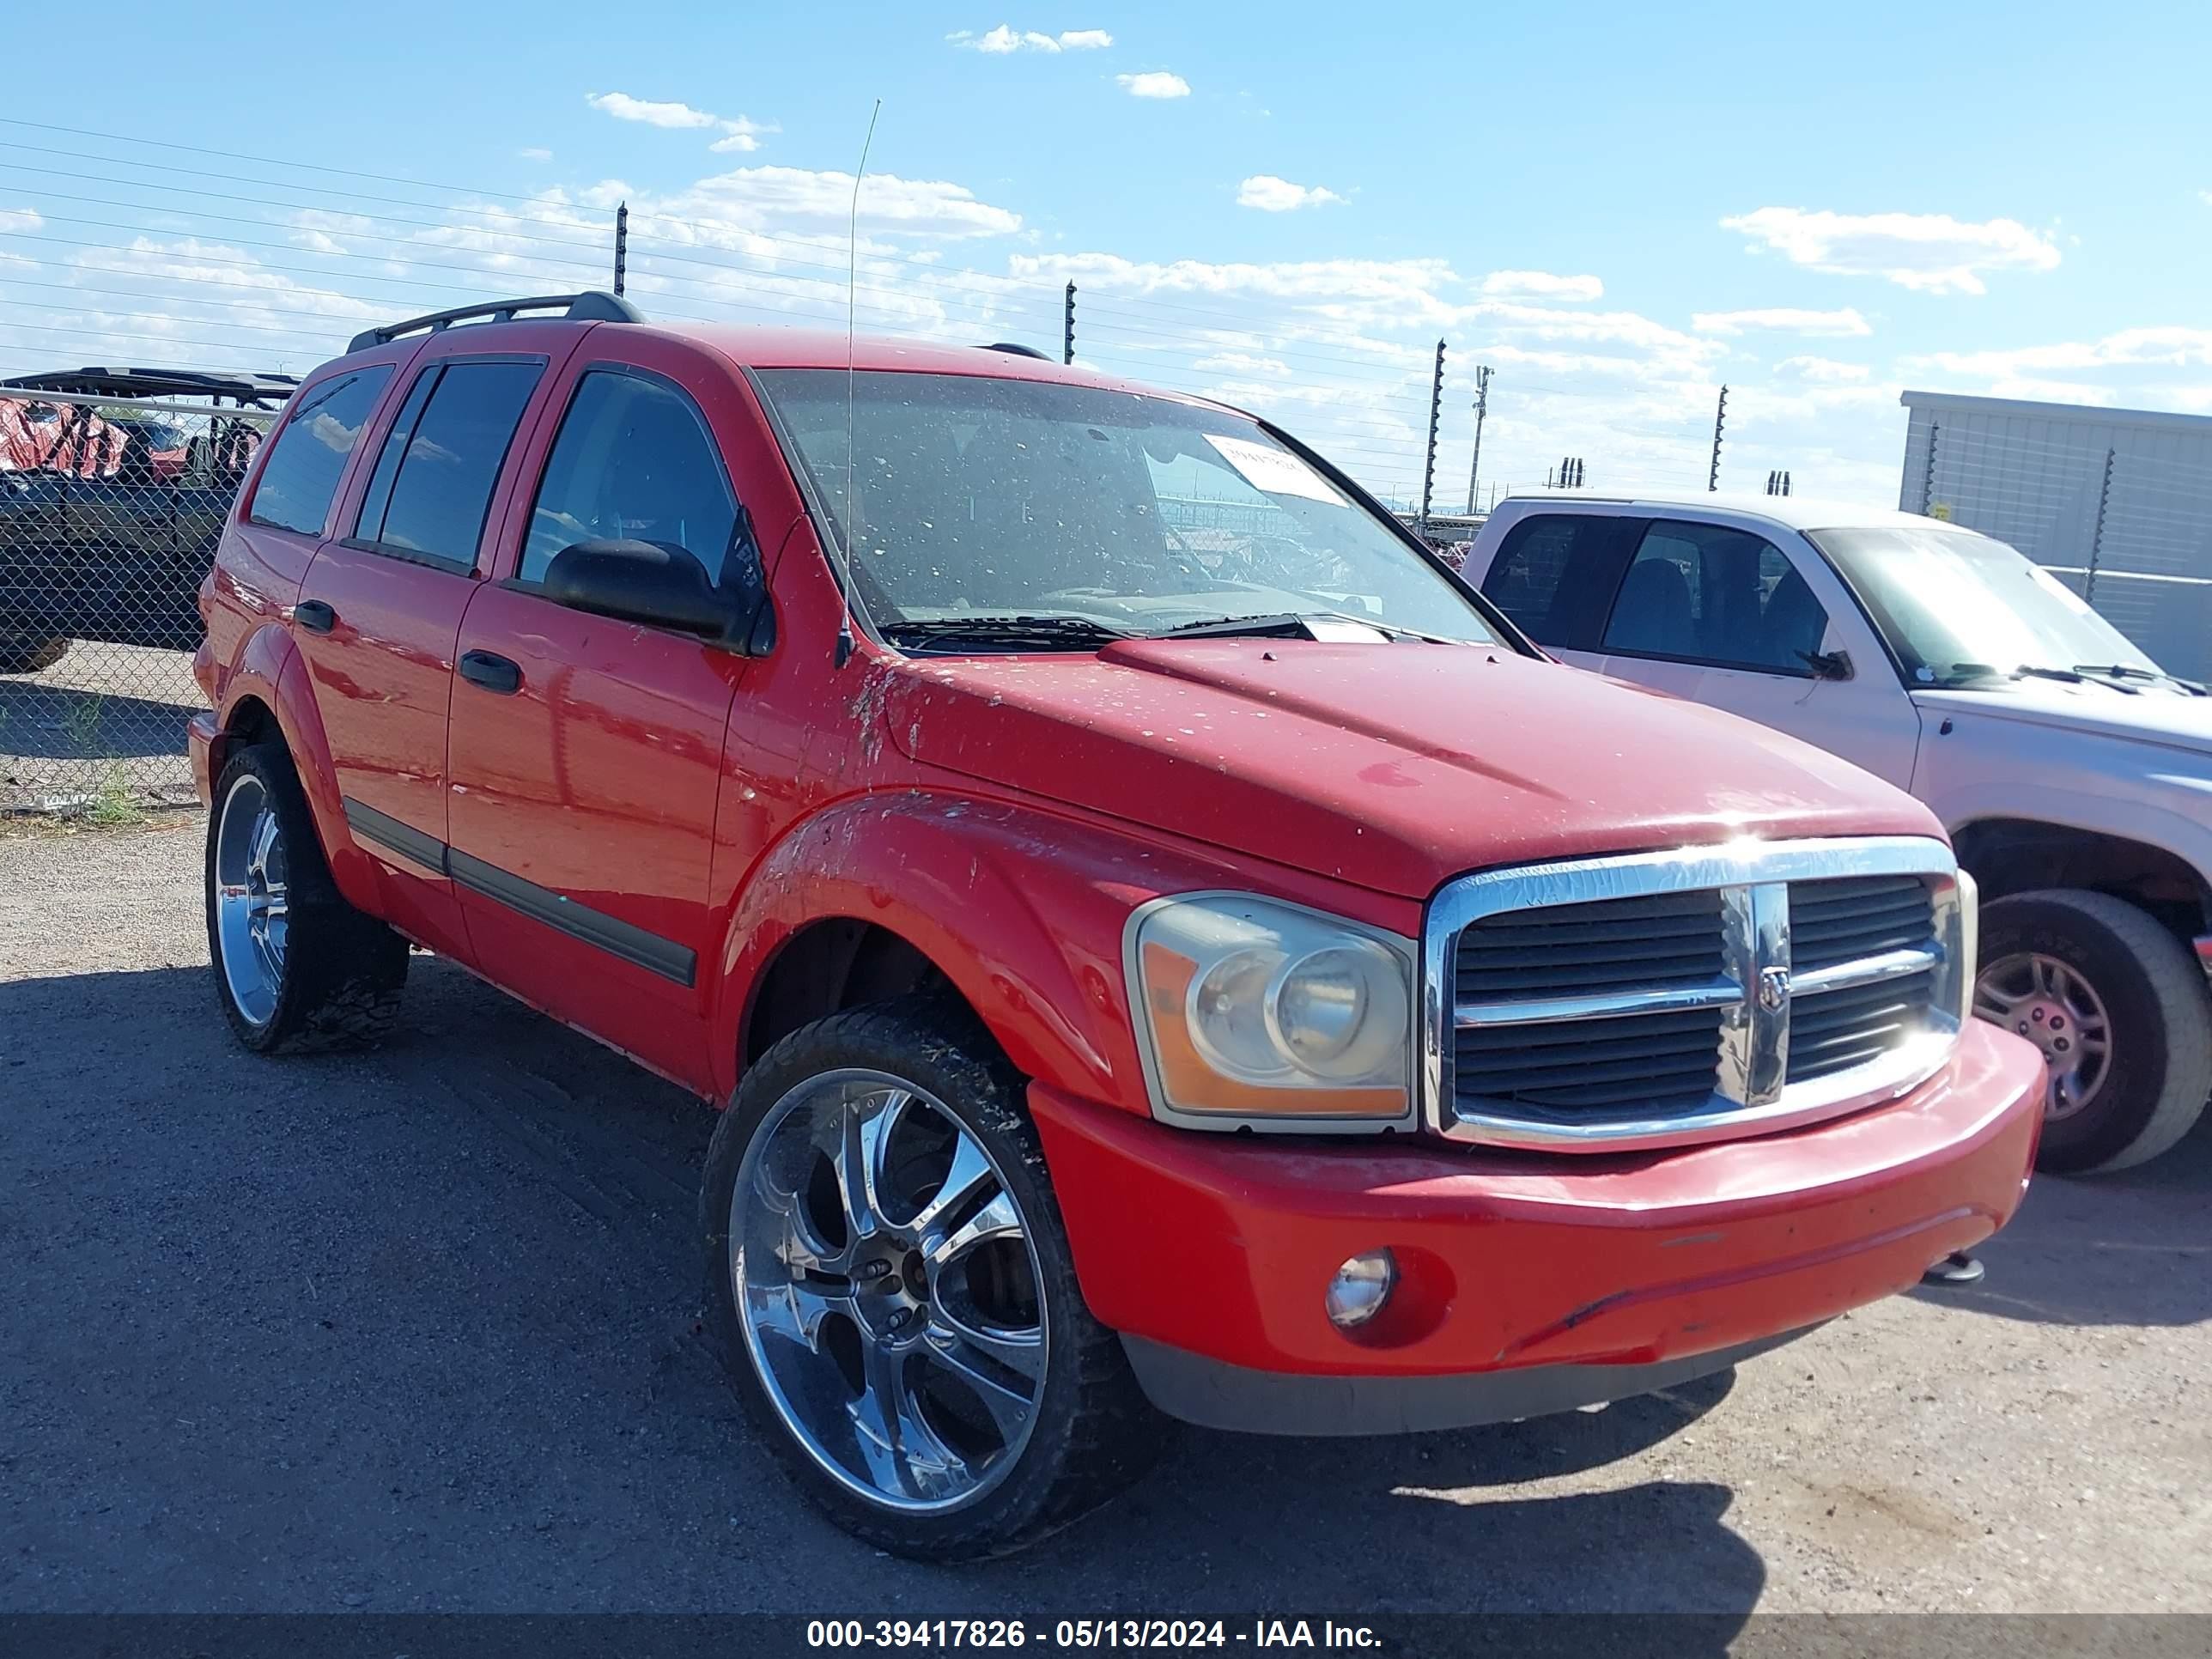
<point x="1251" y="1009"/>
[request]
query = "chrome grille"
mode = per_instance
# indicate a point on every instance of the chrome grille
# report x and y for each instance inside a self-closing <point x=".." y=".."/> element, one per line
<point x="1578" y="950"/>
<point x="1668" y="940"/>
<point x="1690" y="995"/>
<point x="1833" y="922"/>
<point x="1836" y="1031"/>
<point x="1577" y="1067"/>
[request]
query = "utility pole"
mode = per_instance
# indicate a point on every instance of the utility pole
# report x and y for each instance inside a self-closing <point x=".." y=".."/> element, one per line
<point x="1067" y="328"/>
<point x="621" y="244"/>
<point x="1435" y="413"/>
<point x="1720" y="415"/>
<point x="1481" y="409"/>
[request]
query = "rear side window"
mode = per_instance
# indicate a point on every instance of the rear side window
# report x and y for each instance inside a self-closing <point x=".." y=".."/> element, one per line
<point x="433" y="483"/>
<point x="1555" y="575"/>
<point x="633" y="462"/>
<point x="310" y="453"/>
<point x="1708" y="593"/>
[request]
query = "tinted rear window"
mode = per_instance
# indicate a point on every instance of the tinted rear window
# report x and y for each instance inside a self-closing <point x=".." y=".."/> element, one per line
<point x="451" y="461"/>
<point x="310" y="452"/>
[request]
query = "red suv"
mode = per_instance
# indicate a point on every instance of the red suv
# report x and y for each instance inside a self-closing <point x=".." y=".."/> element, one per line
<point x="1165" y="944"/>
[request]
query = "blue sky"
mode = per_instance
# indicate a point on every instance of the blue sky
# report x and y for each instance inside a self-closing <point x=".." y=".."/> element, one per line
<point x="1617" y="207"/>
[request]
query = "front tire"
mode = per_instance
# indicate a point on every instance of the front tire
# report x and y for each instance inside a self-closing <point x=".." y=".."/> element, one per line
<point x="295" y="966"/>
<point x="2121" y="1012"/>
<point x="891" y="1286"/>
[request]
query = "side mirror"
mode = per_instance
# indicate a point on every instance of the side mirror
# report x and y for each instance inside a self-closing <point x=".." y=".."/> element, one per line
<point x="654" y="582"/>
<point x="1828" y="664"/>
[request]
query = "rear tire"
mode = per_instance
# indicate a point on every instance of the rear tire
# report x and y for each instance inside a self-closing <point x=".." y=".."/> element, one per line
<point x="20" y="655"/>
<point x="295" y="966"/>
<point x="2085" y="975"/>
<point x="911" y="1341"/>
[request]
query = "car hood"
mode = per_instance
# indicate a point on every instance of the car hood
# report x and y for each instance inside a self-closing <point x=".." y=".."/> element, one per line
<point x="1393" y="767"/>
<point x="2152" y="716"/>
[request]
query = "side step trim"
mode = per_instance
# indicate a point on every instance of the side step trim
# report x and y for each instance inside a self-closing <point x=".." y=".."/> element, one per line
<point x="678" y="964"/>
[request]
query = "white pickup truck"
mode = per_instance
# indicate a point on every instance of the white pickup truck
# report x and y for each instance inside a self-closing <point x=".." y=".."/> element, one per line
<point x="2074" y="774"/>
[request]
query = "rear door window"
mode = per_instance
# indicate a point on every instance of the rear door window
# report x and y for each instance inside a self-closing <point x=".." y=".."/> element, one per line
<point x="1715" y="595"/>
<point x="1556" y="573"/>
<point x="309" y="458"/>
<point x="433" y="481"/>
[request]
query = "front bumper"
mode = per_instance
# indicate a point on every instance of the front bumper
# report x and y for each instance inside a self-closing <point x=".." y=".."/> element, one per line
<point x="1644" y="1269"/>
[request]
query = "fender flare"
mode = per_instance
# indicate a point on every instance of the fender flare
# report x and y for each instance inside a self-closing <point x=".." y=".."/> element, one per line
<point x="2167" y="832"/>
<point x="1022" y="910"/>
<point x="271" y="669"/>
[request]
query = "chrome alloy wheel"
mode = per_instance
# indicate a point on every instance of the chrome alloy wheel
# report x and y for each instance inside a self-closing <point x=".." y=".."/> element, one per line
<point x="2051" y="1004"/>
<point x="251" y="899"/>
<point x="889" y="1291"/>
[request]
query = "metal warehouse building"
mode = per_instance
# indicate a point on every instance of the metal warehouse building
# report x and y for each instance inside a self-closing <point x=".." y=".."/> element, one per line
<point x="2116" y="502"/>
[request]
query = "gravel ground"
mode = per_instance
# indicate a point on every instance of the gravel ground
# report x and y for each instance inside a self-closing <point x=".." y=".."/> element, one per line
<point x="415" y="1331"/>
<point x="107" y="721"/>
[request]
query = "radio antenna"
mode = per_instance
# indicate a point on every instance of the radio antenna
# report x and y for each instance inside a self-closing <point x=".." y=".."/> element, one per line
<point x="852" y="483"/>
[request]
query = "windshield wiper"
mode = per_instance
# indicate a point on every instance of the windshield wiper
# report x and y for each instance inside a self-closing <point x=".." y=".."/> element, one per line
<point x="2028" y="670"/>
<point x="1284" y="624"/>
<point x="2124" y="671"/>
<point x="1006" y="633"/>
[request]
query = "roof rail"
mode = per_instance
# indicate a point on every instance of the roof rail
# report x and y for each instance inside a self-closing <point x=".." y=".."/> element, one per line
<point x="1018" y="350"/>
<point x="592" y="306"/>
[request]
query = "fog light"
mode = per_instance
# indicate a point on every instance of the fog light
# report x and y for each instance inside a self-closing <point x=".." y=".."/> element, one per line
<point x="1361" y="1287"/>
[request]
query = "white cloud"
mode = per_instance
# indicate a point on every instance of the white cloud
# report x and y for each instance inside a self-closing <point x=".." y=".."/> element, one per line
<point x="623" y="108"/>
<point x="742" y="134"/>
<point x="2131" y="348"/>
<point x="739" y="132"/>
<point x="1243" y="362"/>
<point x="535" y="154"/>
<point x="1782" y="319"/>
<point x="1153" y="83"/>
<point x="756" y="197"/>
<point x="1932" y="253"/>
<point x="1004" y="39"/>
<point x="20" y="220"/>
<point x="1269" y="194"/>
<point x="1541" y="285"/>
<point x="1822" y="371"/>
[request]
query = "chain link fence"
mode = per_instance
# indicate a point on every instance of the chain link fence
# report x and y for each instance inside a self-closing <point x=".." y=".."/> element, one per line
<point x="109" y="508"/>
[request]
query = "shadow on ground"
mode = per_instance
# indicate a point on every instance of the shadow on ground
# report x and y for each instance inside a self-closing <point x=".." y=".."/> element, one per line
<point x="55" y="722"/>
<point x="419" y="1330"/>
<point x="2131" y="1249"/>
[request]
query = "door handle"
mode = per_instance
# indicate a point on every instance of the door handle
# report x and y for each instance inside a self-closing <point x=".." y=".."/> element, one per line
<point x="314" y="615"/>
<point x="492" y="672"/>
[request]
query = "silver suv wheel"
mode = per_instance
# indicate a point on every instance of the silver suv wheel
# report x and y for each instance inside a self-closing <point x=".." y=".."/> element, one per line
<point x="889" y="1291"/>
<point x="251" y="895"/>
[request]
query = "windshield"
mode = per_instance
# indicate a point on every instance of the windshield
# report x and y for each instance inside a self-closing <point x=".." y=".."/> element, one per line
<point x="1957" y="606"/>
<point x="982" y="497"/>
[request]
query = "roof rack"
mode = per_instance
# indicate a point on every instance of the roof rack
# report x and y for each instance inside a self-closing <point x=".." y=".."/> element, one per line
<point x="1018" y="350"/>
<point x="592" y="306"/>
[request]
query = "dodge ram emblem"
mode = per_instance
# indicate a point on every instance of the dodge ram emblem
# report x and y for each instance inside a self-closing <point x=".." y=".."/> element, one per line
<point x="1773" y="988"/>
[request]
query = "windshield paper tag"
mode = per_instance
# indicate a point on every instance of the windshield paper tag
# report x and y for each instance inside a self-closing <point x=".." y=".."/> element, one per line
<point x="1277" y="471"/>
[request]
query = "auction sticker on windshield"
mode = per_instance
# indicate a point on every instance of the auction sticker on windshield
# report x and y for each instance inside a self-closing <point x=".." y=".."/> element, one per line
<point x="1275" y="470"/>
